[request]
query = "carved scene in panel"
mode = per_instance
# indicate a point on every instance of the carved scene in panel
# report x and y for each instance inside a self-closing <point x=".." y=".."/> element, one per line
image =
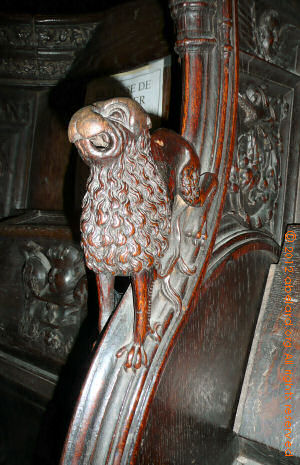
<point x="270" y="33"/>
<point x="256" y="188"/>
<point x="55" y="297"/>
<point x="43" y="297"/>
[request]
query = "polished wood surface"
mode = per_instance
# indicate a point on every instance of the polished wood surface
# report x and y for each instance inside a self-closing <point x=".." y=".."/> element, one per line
<point x="113" y="409"/>
<point x="176" y="402"/>
<point x="190" y="418"/>
<point x="269" y="405"/>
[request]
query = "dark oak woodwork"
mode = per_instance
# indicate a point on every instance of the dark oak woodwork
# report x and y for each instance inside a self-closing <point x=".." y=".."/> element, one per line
<point x="93" y="129"/>
<point x="269" y="406"/>
<point x="185" y="368"/>
<point x="37" y="53"/>
<point x="209" y="327"/>
<point x="43" y="298"/>
<point x="43" y="74"/>
<point x="193" y="409"/>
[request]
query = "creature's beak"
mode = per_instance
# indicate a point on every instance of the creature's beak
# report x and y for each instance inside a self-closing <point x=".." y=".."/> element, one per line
<point x="86" y="124"/>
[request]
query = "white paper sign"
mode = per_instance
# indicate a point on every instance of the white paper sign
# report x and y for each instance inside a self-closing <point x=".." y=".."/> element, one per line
<point x="145" y="85"/>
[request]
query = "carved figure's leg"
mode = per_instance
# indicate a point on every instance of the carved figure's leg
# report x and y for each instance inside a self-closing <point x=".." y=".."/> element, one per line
<point x="105" y="286"/>
<point x="141" y="287"/>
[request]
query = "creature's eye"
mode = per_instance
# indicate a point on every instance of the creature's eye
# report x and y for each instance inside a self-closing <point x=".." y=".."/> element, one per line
<point x="118" y="115"/>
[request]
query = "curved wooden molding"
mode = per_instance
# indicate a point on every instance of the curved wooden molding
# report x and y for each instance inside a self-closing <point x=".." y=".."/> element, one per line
<point x="111" y="412"/>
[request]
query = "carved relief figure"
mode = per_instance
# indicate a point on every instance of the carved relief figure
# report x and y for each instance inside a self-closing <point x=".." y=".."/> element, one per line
<point x="270" y="38"/>
<point x="126" y="219"/>
<point x="255" y="175"/>
<point x="55" y="297"/>
<point x="268" y="34"/>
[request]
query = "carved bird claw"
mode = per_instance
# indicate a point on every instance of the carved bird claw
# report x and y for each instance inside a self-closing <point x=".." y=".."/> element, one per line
<point x="136" y="355"/>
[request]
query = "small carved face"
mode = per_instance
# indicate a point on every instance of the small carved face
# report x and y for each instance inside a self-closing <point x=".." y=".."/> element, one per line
<point x="100" y="130"/>
<point x="61" y="279"/>
<point x="254" y="96"/>
<point x="67" y="268"/>
<point x="269" y="33"/>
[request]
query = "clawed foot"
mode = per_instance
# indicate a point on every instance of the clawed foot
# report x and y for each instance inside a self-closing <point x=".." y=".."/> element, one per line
<point x="136" y="355"/>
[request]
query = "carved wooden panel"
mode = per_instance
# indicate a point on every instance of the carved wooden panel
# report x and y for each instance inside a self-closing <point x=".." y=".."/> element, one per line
<point x="36" y="53"/>
<point x="45" y="48"/>
<point x="266" y="161"/>
<point x="258" y="178"/>
<point x="269" y="405"/>
<point x="55" y="297"/>
<point x="270" y="32"/>
<point x="43" y="297"/>
<point x="16" y="123"/>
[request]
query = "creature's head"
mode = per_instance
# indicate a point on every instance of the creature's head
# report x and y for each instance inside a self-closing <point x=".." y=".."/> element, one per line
<point x="100" y="131"/>
<point x="269" y="32"/>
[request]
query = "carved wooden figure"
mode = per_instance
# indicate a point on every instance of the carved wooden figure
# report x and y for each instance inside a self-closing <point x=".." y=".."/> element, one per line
<point x="126" y="218"/>
<point x="190" y="174"/>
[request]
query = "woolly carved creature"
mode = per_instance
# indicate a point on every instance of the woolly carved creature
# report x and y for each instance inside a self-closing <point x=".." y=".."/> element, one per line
<point x="126" y="217"/>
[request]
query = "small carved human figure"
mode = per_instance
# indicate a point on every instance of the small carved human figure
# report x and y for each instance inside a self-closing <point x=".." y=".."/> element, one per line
<point x="126" y="217"/>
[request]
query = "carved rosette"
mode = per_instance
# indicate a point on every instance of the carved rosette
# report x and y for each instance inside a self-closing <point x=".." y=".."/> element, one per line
<point x="55" y="293"/>
<point x="255" y="177"/>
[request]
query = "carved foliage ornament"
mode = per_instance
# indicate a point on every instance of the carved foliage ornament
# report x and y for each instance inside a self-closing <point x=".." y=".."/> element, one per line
<point x="255" y="177"/>
<point x="32" y="68"/>
<point x="51" y="49"/>
<point x="46" y="36"/>
<point x="55" y="297"/>
<point x="127" y="216"/>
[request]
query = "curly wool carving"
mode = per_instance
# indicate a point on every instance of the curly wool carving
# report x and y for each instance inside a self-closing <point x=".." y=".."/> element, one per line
<point x="125" y="221"/>
<point x="127" y="225"/>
